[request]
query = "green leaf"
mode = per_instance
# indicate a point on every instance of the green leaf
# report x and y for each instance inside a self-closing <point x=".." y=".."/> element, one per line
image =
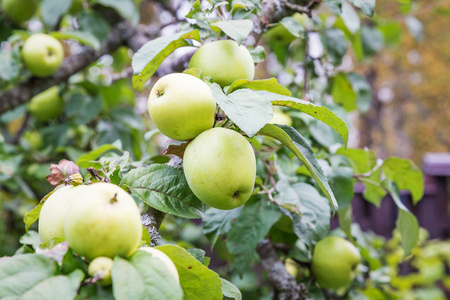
<point x="392" y="32"/>
<point x="406" y="222"/>
<point x="342" y="92"/>
<point x="250" y="111"/>
<point x="197" y="281"/>
<point x="366" y="6"/>
<point x="342" y="185"/>
<point x="164" y="188"/>
<point x="83" y="37"/>
<point x="238" y="30"/>
<point x="345" y="216"/>
<point x="298" y="145"/>
<point x="147" y="59"/>
<point x="335" y="44"/>
<point x="245" y="108"/>
<point x="143" y="277"/>
<point x="230" y="290"/>
<point x="94" y="154"/>
<point x="21" y="273"/>
<point x="95" y="23"/>
<point x="32" y="238"/>
<point x="372" y="40"/>
<point x="293" y="26"/>
<point x="9" y="65"/>
<point x="270" y="85"/>
<point x="406" y="174"/>
<point x="125" y="8"/>
<point x="363" y="91"/>
<point x="33" y="215"/>
<point x="373" y="191"/>
<point x="52" y="10"/>
<point x="350" y="17"/>
<point x="308" y="210"/>
<point x="217" y="222"/>
<point x="318" y="112"/>
<point x="415" y="27"/>
<point x="249" y="229"/>
<point x="258" y="54"/>
<point x="334" y="5"/>
<point x="56" y="287"/>
<point x="198" y="254"/>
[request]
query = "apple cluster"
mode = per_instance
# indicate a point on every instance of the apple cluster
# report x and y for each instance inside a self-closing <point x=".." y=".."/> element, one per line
<point x="99" y="221"/>
<point x="219" y="163"/>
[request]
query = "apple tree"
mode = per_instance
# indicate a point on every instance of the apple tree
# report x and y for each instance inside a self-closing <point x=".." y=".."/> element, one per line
<point x="235" y="199"/>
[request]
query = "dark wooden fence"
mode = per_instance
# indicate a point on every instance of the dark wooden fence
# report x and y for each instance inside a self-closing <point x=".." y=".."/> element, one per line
<point x="432" y="212"/>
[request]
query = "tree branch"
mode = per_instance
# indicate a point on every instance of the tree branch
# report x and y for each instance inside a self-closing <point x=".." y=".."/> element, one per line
<point x="21" y="93"/>
<point x="285" y="285"/>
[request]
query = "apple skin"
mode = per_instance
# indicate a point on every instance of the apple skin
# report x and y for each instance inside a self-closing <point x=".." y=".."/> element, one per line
<point x="46" y="105"/>
<point x="103" y="221"/>
<point x="19" y="10"/>
<point x="53" y="212"/>
<point x="279" y="117"/>
<point x="220" y="168"/>
<point x="224" y="61"/>
<point x="101" y="268"/>
<point x="164" y="258"/>
<point x="181" y="106"/>
<point x="335" y="262"/>
<point x="42" y="54"/>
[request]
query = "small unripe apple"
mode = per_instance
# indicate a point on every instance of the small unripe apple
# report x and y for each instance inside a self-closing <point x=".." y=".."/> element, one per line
<point x="279" y="117"/>
<point x="220" y="168"/>
<point x="42" y="54"/>
<point x="53" y="212"/>
<point x="100" y="268"/>
<point x="335" y="262"/>
<point x="46" y="105"/>
<point x="164" y="258"/>
<point x="224" y="61"/>
<point x="103" y="221"/>
<point x="181" y="106"/>
<point x="19" y="10"/>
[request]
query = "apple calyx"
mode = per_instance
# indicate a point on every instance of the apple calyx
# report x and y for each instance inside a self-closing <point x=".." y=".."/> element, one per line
<point x="114" y="199"/>
<point x="160" y="93"/>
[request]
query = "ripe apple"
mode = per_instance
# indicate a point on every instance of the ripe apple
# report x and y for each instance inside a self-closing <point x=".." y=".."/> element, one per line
<point x="46" y="105"/>
<point x="53" y="212"/>
<point x="181" y="106"/>
<point x="224" y="61"/>
<point x="19" y="10"/>
<point x="42" y="54"/>
<point x="220" y="168"/>
<point x="164" y="258"/>
<point x="100" y="268"/>
<point x="103" y="221"/>
<point x="279" y="117"/>
<point x="335" y="262"/>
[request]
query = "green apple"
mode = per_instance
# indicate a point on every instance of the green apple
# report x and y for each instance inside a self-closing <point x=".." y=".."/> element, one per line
<point x="164" y="258"/>
<point x="53" y="212"/>
<point x="224" y="61"/>
<point x="220" y="168"/>
<point x="46" y="105"/>
<point x="181" y="106"/>
<point x="100" y="268"/>
<point x="279" y="117"/>
<point x="335" y="262"/>
<point x="103" y="221"/>
<point x="19" y="10"/>
<point x="42" y="54"/>
<point x="33" y="139"/>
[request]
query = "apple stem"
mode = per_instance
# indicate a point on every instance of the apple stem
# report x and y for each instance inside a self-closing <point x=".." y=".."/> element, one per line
<point x="160" y="93"/>
<point x="114" y="199"/>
